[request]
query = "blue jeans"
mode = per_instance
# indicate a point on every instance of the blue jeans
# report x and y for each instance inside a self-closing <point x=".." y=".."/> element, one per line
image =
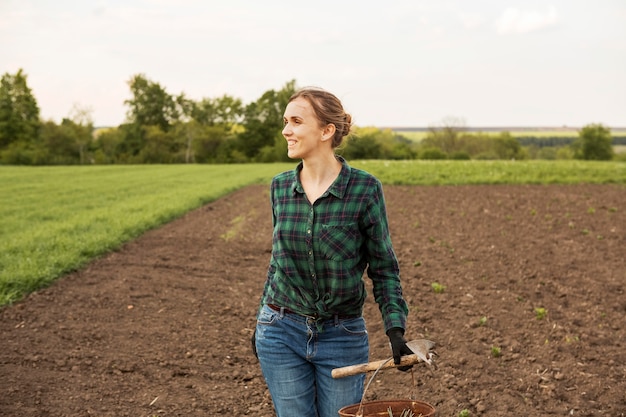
<point x="297" y="359"/>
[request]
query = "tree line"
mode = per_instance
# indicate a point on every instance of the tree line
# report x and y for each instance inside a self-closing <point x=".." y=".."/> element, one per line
<point x="164" y="128"/>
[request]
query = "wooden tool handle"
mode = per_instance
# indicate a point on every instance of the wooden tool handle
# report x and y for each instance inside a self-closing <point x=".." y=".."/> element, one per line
<point x="372" y="366"/>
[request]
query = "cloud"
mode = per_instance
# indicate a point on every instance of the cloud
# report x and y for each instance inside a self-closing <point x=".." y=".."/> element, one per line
<point x="471" y="20"/>
<point x="514" y="21"/>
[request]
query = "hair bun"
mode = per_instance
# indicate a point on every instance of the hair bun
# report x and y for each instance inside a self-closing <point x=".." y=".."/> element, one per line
<point x="347" y="124"/>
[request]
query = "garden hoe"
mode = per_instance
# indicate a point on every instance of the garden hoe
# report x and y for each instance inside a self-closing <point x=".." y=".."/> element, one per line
<point x="422" y="352"/>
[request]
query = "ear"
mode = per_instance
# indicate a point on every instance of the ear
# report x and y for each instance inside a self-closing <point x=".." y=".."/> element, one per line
<point x="328" y="132"/>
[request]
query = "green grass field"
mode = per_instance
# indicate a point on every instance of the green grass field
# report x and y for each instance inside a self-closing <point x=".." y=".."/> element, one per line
<point x="56" y="219"/>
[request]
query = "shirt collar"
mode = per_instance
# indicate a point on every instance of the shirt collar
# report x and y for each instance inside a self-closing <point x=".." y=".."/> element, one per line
<point x="338" y="187"/>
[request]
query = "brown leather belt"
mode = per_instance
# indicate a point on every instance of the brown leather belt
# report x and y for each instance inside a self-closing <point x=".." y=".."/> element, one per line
<point x="315" y="316"/>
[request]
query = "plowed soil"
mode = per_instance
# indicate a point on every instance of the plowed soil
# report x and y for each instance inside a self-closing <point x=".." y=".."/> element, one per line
<point x="162" y="327"/>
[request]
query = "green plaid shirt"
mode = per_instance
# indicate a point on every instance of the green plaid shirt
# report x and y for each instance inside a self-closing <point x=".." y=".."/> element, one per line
<point x="320" y="251"/>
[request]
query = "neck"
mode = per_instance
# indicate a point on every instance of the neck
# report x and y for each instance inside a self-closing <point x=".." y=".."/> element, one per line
<point x="320" y="169"/>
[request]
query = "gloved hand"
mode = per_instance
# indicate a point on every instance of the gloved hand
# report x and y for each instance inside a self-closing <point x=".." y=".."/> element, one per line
<point x="253" y="340"/>
<point x="398" y="346"/>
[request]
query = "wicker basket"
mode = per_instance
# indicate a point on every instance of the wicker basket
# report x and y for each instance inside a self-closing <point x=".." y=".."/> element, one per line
<point x="381" y="408"/>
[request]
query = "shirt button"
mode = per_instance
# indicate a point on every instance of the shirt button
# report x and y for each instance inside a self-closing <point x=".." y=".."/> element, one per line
<point x="309" y="231"/>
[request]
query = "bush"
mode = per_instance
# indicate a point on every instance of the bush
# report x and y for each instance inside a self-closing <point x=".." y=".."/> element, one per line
<point x="594" y="143"/>
<point x="460" y="156"/>
<point x="432" y="153"/>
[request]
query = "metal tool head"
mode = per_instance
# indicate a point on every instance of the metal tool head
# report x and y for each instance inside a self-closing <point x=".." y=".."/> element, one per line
<point x="423" y="349"/>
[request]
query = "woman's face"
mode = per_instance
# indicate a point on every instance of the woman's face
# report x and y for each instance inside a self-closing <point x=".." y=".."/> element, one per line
<point x="301" y="129"/>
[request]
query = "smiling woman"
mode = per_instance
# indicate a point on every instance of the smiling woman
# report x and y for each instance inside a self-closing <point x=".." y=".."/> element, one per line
<point x="330" y="224"/>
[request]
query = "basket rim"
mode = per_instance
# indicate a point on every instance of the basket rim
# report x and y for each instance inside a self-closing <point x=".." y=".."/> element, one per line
<point x="390" y="401"/>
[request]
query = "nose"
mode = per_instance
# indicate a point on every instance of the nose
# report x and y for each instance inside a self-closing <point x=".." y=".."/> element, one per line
<point x="286" y="130"/>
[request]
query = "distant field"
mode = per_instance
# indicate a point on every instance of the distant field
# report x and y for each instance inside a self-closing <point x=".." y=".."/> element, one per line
<point x="418" y="135"/>
<point x="424" y="172"/>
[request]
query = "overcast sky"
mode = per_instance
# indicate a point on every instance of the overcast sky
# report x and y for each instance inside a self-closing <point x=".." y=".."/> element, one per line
<point x="393" y="63"/>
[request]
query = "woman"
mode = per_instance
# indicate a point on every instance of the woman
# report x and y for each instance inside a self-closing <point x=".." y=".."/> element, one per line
<point x="330" y="224"/>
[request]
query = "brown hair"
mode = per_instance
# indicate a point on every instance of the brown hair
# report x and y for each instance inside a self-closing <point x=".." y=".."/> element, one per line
<point x="328" y="109"/>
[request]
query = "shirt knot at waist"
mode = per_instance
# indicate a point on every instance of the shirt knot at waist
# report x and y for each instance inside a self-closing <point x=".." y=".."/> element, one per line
<point x="316" y="316"/>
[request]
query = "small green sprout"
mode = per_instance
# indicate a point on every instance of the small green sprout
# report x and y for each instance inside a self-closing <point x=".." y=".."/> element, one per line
<point x="540" y="313"/>
<point x="437" y="287"/>
<point x="482" y="321"/>
<point x="496" y="351"/>
<point x="464" y="413"/>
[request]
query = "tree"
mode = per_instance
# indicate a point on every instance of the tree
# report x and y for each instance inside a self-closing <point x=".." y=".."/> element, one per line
<point x="150" y="105"/>
<point x="222" y="111"/>
<point x="59" y="143"/>
<point x="81" y="122"/>
<point x="507" y="147"/>
<point x="19" y="113"/>
<point x="213" y="145"/>
<point x="363" y="143"/>
<point x="106" y="145"/>
<point x="201" y="121"/>
<point x="130" y="144"/>
<point x="446" y="135"/>
<point x="185" y="128"/>
<point x="264" y="120"/>
<point x="594" y="143"/>
<point x="159" y="147"/>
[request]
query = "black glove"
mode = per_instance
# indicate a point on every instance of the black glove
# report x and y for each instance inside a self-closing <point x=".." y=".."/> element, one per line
<point x="253" y="340"/>
<point x="398" y="346"/>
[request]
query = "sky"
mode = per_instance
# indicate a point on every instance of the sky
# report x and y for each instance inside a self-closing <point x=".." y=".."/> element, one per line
<point x="393" y="63"/>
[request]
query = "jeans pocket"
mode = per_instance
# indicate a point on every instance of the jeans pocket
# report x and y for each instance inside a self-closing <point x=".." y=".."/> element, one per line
<point x="267" y="316"/>
<point x="355" y="326"/>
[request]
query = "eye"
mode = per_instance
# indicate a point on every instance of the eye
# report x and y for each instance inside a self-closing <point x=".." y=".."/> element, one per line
<point x="293" y="121"/>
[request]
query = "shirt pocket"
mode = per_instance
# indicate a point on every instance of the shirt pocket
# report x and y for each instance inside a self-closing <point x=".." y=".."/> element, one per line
<point x="339" y="242"/>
